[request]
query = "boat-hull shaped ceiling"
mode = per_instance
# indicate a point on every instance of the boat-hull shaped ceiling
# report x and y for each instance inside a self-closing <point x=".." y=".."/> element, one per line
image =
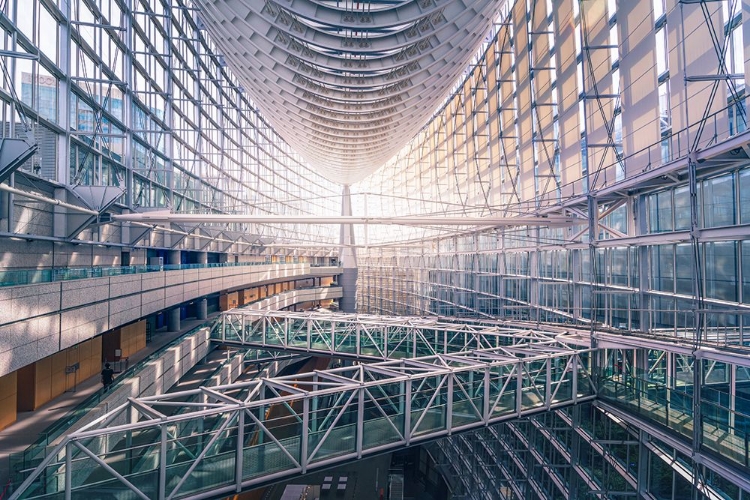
<point x="347" y="84"/>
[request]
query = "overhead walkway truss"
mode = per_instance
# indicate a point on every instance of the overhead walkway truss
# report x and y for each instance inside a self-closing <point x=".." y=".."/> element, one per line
<point x="374" y="337"/>
<point x="234" y="437"/>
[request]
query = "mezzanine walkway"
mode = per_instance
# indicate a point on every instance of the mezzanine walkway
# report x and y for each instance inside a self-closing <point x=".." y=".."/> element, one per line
<point x="234" y="437"/>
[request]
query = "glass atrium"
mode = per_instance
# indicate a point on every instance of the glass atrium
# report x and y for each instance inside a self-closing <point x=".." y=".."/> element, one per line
<point x="579" y="168"/>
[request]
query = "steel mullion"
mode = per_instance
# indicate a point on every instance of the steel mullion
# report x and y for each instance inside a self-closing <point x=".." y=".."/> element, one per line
<point x="163" y="461"/>
<point x="519" y="387"/>
<point x="407" y="411"/>
<point x="240" y="456"/>
<point x="68" y="472"/>
<point x="305" y="433"/>
<point x="449" y="405"/>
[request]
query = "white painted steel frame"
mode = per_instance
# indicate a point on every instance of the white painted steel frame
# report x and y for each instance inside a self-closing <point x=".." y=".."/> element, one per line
<point x="373" y="337"/>
<point x="440" y="387"/>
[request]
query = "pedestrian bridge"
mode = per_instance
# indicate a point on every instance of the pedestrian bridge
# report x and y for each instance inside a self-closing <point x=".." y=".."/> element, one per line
<point x="431" y="379"/>
<point x="371" y="337"/>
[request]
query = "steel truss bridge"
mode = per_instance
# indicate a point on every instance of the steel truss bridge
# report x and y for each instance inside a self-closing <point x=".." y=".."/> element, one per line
<point x="374" y="337"/>
<point x="432" y="379"/>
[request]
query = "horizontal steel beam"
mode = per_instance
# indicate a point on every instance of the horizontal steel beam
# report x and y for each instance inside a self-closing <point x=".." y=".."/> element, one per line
<point x="166" y="217"/>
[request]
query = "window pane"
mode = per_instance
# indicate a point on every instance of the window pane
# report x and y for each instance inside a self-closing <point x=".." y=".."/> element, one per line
<point x="662" y="268"/>
<point x="746" y="272"/>
<point x="721" y="272"/>
<point x="684" y="267"/>
<point x="745" y="196"/>
<point x="718" y="201"/>
<point x="661" y="51"/>
<point x="658" y="9"/>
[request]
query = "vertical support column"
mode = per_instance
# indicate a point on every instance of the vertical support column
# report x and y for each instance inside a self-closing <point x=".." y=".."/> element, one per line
<point x="575" y="445"/>
<point x="68" y="471"/>
<point x="593" y="209"/>
<point x="641" y="372"/>
<point x="286" y="332"/>
<point x="348" y="258"/>
<point x="407" y="412"/>
<point x="174" y="257"/>
<point x="238" y="462"/>
<point x="173" y="320"/>
<point x="697" y="411"/>
<point x="163" y="463"/>
<point x="309" y="332"/>
<point x="333" y="335"/>
<point x="574" y="367"/>
<point x="476" y="281"/>
<point x="127" y="100"/>
<point x="202" y="308"/>
<point x="305" y="433"/>
<point x="360" y="418"/>
<point x="534" y="287"/>
<point x="60" y="214"/>
<point x="449" y="405"/>
<point x="548" y="384"/>
<point x="643" y="267"/>
<point x="314" y="415"/>
<point x="577" y="277"/>
<point x="486" y="403"/>
<point x="732" y="394"/>
<point x="64" y="102"/>
<point x="358" y="339"/>
<point x="643" y="463"/>
<point x="519" y="386"/>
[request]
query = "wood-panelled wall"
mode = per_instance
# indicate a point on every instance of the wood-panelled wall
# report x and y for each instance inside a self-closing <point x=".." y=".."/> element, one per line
<point x="46" y="379"/>
<point x="8" y="394"/>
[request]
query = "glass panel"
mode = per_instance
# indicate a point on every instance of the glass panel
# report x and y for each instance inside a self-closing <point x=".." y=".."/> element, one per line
<point x="721" y="270"/>
<point x="718" y="201"/>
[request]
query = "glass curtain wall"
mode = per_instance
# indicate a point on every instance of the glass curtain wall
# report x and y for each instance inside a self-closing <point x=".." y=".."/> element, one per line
<point x="132" y="94"/>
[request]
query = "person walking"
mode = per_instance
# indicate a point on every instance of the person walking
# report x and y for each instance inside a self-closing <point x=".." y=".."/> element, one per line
<point x="107" y="376"/>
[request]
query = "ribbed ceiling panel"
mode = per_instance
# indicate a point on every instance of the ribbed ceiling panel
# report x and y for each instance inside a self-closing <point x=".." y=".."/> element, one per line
<point x="347" y="84"/>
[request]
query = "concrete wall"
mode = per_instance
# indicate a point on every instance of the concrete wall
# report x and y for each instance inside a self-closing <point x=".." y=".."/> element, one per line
<point x="325" y="271"/>
<point x="38" y="320"/>
<point x="293" y="297"/>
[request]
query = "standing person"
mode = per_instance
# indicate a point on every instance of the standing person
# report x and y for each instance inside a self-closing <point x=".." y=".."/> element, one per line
<point x="107" y="376"/>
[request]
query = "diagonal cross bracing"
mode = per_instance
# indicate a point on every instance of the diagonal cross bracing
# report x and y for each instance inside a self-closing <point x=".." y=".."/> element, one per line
<point x="373" y="337"/>
<point x="255" y="432"/>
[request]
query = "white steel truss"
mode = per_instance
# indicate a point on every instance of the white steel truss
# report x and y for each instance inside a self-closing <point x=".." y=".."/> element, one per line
<point x="374" y="337"/>
<point x="236" y="436"/>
